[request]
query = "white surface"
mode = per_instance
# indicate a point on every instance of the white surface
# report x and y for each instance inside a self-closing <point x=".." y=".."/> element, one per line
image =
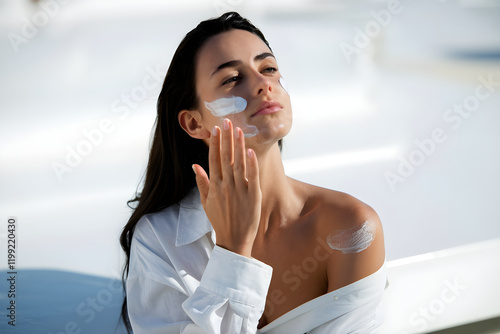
<point x="354" y="119"/>
<point x="434" y="291"/>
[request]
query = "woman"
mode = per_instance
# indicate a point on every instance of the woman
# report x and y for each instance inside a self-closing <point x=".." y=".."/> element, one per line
<point x="244" y="248"/>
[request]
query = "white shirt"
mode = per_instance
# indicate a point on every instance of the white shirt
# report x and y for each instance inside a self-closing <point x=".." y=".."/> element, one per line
<point x="179" y="282"/>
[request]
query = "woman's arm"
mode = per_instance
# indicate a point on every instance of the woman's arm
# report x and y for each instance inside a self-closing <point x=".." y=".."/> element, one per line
<point x="357" y="243"/>
<point x="358" y="253"/>
<point x="232" y="294"/>
<point x="229" y="298"/>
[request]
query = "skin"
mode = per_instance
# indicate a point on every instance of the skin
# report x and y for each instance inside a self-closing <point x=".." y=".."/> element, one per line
<point x="255" y="209"/>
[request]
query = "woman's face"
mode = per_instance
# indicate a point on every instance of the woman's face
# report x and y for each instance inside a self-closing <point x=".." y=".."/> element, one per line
<point x="237" y="77"/>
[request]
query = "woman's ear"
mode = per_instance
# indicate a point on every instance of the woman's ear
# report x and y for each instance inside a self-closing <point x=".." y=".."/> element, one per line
<point x="190" y="121"/>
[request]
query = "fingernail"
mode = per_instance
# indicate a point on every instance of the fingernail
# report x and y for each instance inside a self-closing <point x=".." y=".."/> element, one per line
<point x="214" y="131"/>
<point x="237" y="133"/>
<point x="194" y="169"/>
<point x="226" y="124"/>
<point x="250" y="153"/>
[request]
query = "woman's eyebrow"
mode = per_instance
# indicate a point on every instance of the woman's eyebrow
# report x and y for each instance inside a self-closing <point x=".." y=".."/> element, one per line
<point x="234" y="63"/>
<point x="263" y="56"/>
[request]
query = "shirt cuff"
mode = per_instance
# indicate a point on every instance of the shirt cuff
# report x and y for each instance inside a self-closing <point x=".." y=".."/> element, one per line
<point x="237" y="277"/>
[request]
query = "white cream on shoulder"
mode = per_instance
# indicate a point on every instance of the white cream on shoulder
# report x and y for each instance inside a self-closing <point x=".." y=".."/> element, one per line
<point x="354" y="239"/>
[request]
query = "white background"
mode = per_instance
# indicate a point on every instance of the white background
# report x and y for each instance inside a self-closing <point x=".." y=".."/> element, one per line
<point x="355" y="116"/>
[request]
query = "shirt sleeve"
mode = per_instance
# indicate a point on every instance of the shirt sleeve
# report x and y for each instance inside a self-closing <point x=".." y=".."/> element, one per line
<point x="230" y="298"/>
<point x="232" y="294"/>
<point x="365" y="319"/>
<point x="366" y="313"/>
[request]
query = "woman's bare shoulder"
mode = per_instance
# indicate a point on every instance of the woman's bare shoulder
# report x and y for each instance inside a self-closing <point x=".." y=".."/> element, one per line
<point x="337" y="209"/>
<point x="353" y="231"/>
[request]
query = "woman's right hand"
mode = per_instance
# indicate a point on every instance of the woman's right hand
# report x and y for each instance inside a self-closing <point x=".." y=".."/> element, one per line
<point x="232" y="196"/>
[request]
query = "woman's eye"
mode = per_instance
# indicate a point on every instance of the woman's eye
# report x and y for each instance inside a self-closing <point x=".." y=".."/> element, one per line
<point x="270" y="70"/>
<point x="230" y="80"/>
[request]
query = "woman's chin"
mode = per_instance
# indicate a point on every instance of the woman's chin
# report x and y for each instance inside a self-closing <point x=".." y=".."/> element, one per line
<point x="270" y="133"/>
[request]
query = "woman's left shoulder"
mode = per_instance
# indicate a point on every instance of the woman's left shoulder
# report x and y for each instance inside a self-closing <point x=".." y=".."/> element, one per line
<point x="353" y="231"/>
<point x="339" y="210"/>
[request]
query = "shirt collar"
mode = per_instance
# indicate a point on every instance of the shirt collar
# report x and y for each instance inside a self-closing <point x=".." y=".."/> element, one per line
<point x="192" y="223"/>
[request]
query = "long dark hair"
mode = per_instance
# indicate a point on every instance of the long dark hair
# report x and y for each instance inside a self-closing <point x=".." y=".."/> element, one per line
<point x="169" y="175"/>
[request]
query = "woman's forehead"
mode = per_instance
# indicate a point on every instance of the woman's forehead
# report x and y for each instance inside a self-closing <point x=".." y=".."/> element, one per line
<point x="228" y="46"/>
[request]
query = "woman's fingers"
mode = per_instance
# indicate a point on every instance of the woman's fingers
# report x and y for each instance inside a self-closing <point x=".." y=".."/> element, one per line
<point x="227" y="151"/>
<point x="253" y="174"/>
<point x="228" y="159"/>
<point x="239" y="164"/>
<point x="232" y="203"/>
<point x="202" y="182"/>
<point x="214" y="163"/>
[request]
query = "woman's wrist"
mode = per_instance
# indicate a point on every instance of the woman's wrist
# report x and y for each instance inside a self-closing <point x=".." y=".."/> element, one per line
<point x="243" y="250"/>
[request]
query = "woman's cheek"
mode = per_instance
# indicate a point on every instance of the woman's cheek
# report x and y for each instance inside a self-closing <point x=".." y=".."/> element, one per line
<point x="232" y="108"/>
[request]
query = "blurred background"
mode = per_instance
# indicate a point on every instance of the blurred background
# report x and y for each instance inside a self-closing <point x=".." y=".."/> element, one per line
<point x="395" y="102"/>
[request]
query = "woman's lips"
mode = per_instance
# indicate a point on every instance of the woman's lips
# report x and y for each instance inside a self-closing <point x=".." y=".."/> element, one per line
<point x="268" y="107"/>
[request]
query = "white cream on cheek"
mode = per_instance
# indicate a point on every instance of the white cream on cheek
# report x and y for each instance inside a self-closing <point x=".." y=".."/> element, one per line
<point x="283" y="84"/>
<point x="226" y="106"/>
<point x="353" y="240"/>
<point x="232" y="108"/>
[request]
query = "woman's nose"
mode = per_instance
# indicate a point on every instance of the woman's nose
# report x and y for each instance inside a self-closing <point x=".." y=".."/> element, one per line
<point x="262" y="85"/>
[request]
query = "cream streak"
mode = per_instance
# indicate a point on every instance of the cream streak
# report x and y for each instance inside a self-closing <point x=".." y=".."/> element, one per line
<point x="232" y="108"/>
<point x="353" y="240"/>
<point x="226" y="106"/>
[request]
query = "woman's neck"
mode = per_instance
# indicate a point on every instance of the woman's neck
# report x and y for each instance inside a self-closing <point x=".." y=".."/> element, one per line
<point x="280" y="200"/>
